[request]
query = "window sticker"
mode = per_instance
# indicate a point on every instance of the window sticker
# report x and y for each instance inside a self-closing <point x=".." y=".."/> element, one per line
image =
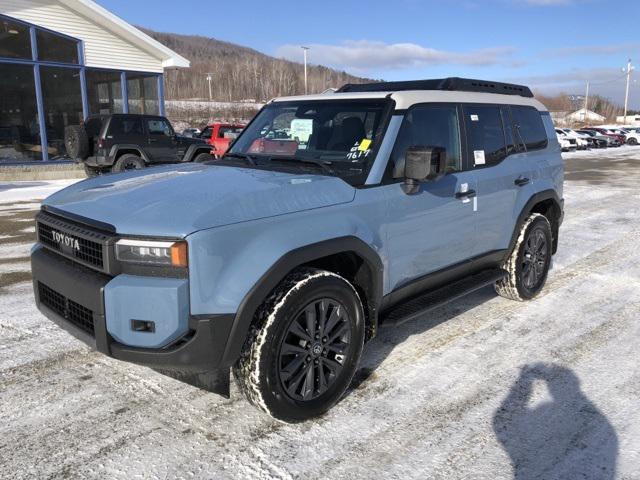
<point x="357" y="152"/>
<point x="301" y="128"/>
<point x="478" y="157"/>
<point x="475" y="118"/>
<point x="365" y="144"/>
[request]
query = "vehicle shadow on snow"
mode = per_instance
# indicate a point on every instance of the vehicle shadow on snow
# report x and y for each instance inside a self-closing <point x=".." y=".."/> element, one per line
<point x="564" y="437"/>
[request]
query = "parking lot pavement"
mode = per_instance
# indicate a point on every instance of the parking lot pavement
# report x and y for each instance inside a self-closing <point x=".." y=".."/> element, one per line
<point x="468" y="391"/>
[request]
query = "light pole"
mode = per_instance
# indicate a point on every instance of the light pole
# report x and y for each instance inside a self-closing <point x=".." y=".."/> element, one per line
<point x="628" y="71"/>
<point x="209" y="79"/>
<point x="306" y="87"/>
<point x="586" y="102"/>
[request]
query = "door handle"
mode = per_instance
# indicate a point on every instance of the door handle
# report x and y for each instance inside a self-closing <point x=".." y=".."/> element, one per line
<point x="521" y="181"/>
<point x="153" y="140"/>
<point x="467" y="194"/>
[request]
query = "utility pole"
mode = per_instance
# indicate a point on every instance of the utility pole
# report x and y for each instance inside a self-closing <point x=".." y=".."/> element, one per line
<point x="586" y="102"/>
<point x="209" y="79"/>
<point x="306" y="87"/>
<point x="628" y="71"/>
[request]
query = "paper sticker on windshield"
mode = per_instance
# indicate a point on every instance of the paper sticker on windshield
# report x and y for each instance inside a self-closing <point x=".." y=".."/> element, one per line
<point x="478" y="157"/>
<point x="475" y="118"/>
<point x="364" y="145"/>
<point x="357" y="152"/>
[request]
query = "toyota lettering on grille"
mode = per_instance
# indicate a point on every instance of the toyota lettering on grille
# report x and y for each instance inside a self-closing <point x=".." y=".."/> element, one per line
<point x="65" y="240"/>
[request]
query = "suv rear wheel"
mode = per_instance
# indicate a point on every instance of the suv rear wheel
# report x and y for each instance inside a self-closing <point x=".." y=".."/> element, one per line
<point x="529" y="262"/>
<point x="128" y="161"/>
<point x="302" y="353"/>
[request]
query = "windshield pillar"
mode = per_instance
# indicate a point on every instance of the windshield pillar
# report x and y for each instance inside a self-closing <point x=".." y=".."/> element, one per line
<point x="384" y="153"/>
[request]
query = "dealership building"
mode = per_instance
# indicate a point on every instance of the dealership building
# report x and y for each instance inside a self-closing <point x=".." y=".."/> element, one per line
<point x="62" y="60"/>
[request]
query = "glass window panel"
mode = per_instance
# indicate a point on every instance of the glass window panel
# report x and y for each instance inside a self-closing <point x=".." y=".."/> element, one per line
<point x="15" y="41"/>
<point x="55" y="48"/>
<point x="485" y="134"/>
<point x="529" y="127"/>
<point x="62" y="105"/>
<point x="19" y="130"/>
<point x="143" y="94"/>
<point x="428" y="126"/>
<point x="104" y="91"/>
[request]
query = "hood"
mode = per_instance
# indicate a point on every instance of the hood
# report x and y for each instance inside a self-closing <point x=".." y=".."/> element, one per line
<point x="176" y="201"/>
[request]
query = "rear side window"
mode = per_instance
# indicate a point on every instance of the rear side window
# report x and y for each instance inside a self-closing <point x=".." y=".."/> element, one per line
<point x="485" y="134"/>
<point x="529" y="127"/>
<point x="125" y="126"/>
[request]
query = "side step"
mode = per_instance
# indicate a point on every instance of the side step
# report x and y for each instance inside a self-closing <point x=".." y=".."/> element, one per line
<point x="434" y="298"/>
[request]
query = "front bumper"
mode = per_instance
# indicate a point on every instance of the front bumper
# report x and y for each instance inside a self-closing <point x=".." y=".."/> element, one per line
<point x="72" y="296"/>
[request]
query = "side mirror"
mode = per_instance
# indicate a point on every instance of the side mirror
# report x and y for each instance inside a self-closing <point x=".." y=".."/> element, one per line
<point x="423" y="164"/>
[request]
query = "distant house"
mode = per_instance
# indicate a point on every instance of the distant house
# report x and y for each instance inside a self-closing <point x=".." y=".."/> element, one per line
<point x="633" y="120"/>
<point x="579" y="116"/>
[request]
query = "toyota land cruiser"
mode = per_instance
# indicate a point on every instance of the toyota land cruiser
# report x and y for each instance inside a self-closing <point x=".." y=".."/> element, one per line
<point x="329" y="216"/>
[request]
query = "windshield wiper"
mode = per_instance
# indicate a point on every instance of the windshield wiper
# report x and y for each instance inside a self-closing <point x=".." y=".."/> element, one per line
<point x="242" y="156"/>
<point x="322" y="164"/>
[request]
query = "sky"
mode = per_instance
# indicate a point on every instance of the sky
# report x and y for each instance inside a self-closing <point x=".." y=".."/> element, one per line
<point x="551" y="45"/>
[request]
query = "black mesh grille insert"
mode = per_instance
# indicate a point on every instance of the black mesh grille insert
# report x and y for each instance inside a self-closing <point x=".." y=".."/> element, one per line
<point x="89" y="252"/>
<point x="75" y="313"/>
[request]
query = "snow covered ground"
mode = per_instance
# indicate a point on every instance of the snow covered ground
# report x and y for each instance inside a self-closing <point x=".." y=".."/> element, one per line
<point x="470" y="391"/>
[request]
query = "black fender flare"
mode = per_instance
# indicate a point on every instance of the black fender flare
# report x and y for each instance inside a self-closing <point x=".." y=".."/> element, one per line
<point x="196" y="149"/>
<point x="288" y="262"/>
<point x="113" y="154"/>
<point x="526" y="210"/>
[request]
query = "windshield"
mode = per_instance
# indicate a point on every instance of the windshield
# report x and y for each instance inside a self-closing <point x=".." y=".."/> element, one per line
<point x="330" y="137"/>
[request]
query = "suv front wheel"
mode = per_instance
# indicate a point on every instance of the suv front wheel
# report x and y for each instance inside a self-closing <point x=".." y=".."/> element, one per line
<point x="305" y="347"/>
<point x="528" y="264"/>
<point x="128" y="161"/>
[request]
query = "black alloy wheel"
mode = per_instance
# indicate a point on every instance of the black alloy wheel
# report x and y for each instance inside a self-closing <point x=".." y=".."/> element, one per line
<point x="313" y="350"/>
<point x="534" y="260"/>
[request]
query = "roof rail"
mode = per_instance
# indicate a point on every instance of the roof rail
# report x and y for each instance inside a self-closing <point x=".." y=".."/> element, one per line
<point x="452" y="84"/>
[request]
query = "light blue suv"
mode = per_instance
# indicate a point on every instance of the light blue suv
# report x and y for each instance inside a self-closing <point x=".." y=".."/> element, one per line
<point x="329" y="216"/>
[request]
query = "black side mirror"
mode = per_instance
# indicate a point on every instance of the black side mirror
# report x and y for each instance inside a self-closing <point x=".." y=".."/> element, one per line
<point x="423" y="164"/>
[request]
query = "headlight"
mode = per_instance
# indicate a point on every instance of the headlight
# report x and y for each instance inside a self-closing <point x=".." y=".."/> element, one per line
<point x="172" y="254"/>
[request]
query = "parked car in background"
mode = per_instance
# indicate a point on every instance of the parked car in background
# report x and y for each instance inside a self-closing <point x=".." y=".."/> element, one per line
<point x="581" y="140"/>
<point x="119" y="142"/>
<point x="603" y="141"/>
<point x="191" y="132"/>
<point x="400" y="197"/>
<point x="566" y="142"/>
<point x="220" y="136"/>
<point x="633" y="137"/>
<point x="605" y="131"/>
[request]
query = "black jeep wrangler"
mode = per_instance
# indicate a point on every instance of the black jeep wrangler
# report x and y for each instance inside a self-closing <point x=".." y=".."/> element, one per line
<point x="119" y="142"/>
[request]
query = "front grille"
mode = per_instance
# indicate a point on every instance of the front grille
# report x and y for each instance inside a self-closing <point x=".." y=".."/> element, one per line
<point x="71" y="311"/>
<point x="82" y="244"/>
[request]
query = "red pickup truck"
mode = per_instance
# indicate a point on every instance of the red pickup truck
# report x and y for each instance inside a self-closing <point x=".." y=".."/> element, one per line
<point x="220" y="136"/>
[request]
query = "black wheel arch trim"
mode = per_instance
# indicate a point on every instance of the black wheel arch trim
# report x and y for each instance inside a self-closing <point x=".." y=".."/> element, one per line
<point x="115" y="150"/>
<point x="532" y="202"/>
<point x="288" y="262"/>
<point x="196" y="149"/>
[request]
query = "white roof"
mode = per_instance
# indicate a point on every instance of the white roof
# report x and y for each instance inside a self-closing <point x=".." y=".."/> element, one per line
<point x="104" y="17"/>
<point x="406" y="98"/>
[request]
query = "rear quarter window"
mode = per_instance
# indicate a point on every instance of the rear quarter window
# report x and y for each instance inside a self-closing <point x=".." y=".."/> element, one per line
<point x="529" y="127"/>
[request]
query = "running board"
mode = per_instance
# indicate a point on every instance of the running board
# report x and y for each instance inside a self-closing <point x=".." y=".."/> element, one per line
<point x="435" y="298"/>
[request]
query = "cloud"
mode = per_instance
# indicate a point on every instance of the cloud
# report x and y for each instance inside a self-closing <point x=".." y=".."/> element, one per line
<point x="626" y="48"/>
<point x="365" y="55"/>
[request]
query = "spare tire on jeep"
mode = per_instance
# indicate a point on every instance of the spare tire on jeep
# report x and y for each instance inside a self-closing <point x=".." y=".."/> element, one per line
<point x="76" y="141"/>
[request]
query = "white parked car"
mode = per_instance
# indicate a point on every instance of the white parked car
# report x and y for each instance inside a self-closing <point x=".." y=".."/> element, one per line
<point x="633" y="137"/>
<point x="567" y="143"/>
<point x="581" y="139"/>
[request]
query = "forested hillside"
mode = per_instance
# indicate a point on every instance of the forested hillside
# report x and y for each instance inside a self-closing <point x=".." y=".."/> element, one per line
<point x="239" y="73"/>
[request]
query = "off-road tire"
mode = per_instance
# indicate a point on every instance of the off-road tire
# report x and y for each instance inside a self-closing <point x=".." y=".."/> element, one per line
<point x="128" y="161"/>
<point x="76" y="142"/>
<point x="92" y="171"/>
<point x="258" y="371"/>
<point x="513" y="285"/>
<point x="203" y="157"/>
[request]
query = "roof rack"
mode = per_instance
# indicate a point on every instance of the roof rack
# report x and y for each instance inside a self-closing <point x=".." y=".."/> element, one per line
<point x="451" y="84"/>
